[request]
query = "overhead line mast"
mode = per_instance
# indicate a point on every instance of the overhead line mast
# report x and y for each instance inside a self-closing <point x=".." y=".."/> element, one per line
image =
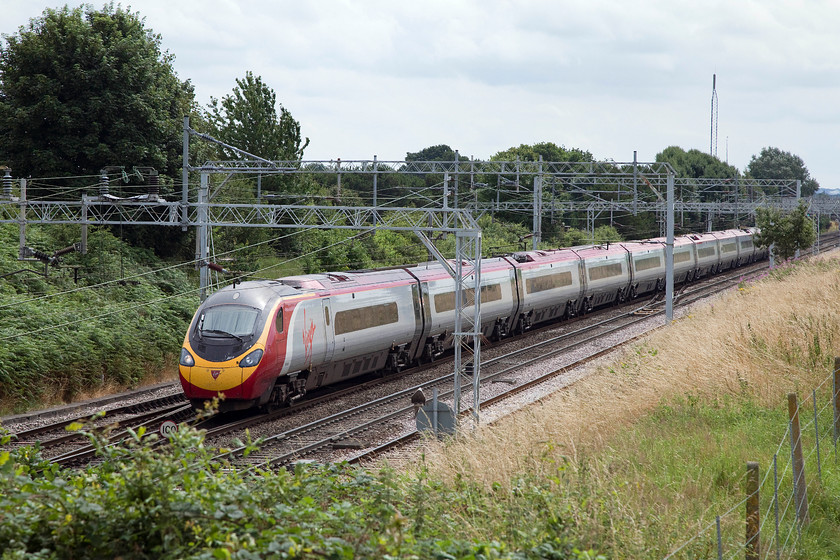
<point x="714" y="132"/>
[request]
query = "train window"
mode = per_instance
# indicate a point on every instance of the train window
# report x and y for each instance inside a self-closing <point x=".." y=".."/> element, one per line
<point x="361" y="318"/>
<point x="605" y="271"/>
<point x="548" y="282"/>
<point x="747" y="243"/>
<point x="706" y="252"/>
<point x="327" y="316"/>
<point x="647" y="263"/>
<point x="237" y="320"/>
<point x="278" y="321"/>
<point x="682" y="256"/>
<point x="446" y="301"/>
<point x="728" y="248"/>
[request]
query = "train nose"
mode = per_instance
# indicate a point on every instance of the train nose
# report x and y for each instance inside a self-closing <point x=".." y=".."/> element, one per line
<point x="209" y="381"/>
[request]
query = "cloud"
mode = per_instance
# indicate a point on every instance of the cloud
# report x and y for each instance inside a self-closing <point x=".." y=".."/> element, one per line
<point x="380" y="77"/>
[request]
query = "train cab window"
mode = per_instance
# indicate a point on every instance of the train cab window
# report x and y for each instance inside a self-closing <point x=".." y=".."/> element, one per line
<point x="278" y="322"/>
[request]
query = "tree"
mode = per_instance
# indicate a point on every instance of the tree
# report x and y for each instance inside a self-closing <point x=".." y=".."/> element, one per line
<point x="548" y="150"/>
<point x="441" y="152"/>
<point x="696" y="164"/>
<point x="787" y="233"/>
<point x="773" y="163"/>
<point x="83" y="89"/>
<point x="247" y="118"/>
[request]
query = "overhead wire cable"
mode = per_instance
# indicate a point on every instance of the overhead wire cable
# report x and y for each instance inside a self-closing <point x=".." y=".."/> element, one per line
<point x="164" y="298"/>
<point x="147" y="273"/>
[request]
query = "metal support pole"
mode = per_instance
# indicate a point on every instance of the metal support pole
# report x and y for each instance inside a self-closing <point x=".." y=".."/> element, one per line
<point x="22" y="220"/>
<point x="737" y="196"/>
<point x="83" y="249"/>
<point x="446" y="203"/>
<point x="338" y="178"/>
<point x="455" y="183"/>
<point x="201" y="238"/>
<point x="467" y="276"/>
<point x="185" y="176"/>
<point x="817" y="434"/>
<point x="459" y="329"/>
<point x="776" y="501"/>
<point x="817" y="229"/>
<point x="375" y="188"/>
<point x="635" y="185"/>
<point x="537" y="229"/>
<point x="669" y="253"/>
<point x="435" y="411"/>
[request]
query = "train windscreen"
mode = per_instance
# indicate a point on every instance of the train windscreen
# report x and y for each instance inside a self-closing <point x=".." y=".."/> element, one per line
<point x="234" y="320"/>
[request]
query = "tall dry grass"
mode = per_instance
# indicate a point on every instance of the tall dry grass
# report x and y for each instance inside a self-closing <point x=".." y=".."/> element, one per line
<point x="760" y="341"/>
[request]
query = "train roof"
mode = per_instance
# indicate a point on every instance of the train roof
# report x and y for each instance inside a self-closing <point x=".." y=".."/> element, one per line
<point x="596" y="251"/>
<point x="645" y="246"/>
<point x="434" y="269"/>
<point x="254" y="293"/>
<point x="341" y="280"/>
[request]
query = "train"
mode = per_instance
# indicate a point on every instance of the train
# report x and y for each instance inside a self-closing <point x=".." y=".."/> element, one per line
<point x="266" y="343"/>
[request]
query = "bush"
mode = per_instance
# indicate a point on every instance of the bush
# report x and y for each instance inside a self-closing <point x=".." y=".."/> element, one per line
<point x="177" y="501"/>
<point x="122" y="323"/>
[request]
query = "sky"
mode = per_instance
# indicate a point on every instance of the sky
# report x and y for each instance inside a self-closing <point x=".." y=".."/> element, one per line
<point x="369" y="78"/>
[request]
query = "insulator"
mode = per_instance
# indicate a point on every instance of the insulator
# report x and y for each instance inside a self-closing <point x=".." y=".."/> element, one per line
<point x="7" y="183"/>
<point x="40" y="255"/>
<point x="216" y="267"/>
<point x="103" y="184"/>
<point x="64" y="251"/>
<point x="154" y="183"/>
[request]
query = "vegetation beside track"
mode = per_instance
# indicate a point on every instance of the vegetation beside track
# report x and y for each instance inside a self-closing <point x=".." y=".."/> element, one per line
<point x="644" y="453"/>
<point x="630" y="462"/>
<point x="178" y="502"/>
<point x="116" y="327"/>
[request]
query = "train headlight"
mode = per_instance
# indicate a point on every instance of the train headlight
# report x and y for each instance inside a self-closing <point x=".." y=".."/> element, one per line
<point x="186" y="358"/>
<point x="251" y="359"/>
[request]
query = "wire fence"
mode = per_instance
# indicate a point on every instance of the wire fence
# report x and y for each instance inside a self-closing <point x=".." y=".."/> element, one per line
<point x="768" y="522"/>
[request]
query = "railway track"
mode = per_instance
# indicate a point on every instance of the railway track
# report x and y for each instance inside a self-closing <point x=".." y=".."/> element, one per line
<point x="386" y="422"/>
<point x="368" y="424"/>
<point x="59" y="445"/>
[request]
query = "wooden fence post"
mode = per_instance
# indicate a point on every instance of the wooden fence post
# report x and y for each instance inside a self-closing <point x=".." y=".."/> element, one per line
<point x="835" y="400"/>
<point x="800" y="488"/>
<point x="753" y="527"/>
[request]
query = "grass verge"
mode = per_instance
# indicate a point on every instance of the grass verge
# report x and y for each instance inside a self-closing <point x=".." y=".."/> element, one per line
<point x="645" y="452"/>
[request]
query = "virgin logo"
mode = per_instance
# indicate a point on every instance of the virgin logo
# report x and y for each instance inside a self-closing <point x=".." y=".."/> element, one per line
<point x="308" y="338"/>
<point x="215" y="373"/>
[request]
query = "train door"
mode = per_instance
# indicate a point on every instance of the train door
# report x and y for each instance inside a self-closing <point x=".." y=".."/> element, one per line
<point x="329" y="333"/>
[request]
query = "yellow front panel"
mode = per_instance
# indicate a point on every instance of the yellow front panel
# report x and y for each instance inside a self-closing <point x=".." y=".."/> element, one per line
<point x="216" y="377"/>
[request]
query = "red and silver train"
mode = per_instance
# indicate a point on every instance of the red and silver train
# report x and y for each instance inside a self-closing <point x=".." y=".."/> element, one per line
<point x="268" y="342"/>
